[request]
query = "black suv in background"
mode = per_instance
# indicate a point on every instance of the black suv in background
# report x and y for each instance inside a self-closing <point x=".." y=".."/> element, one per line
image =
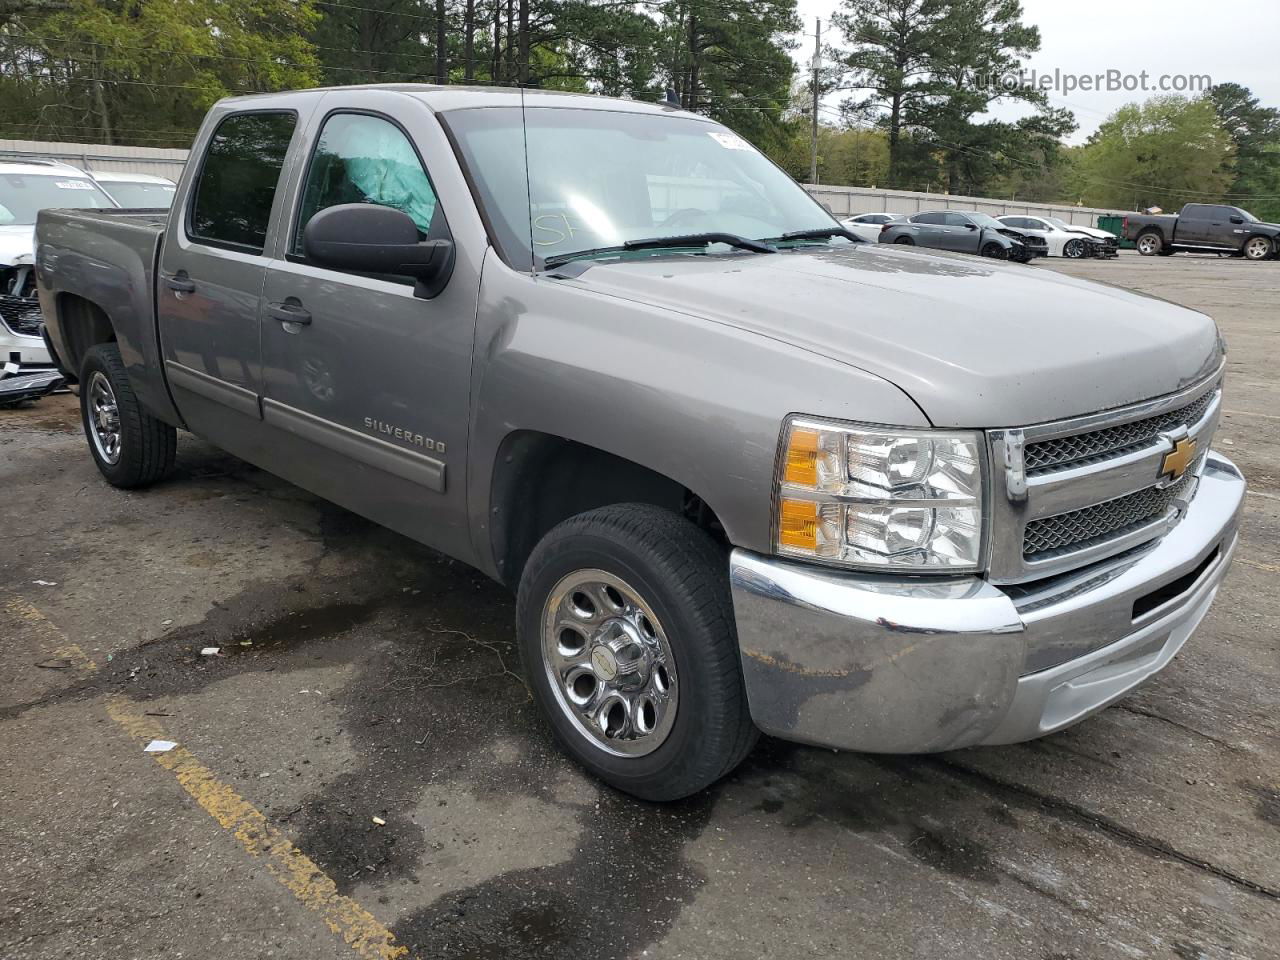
<point x="965" y="231"/>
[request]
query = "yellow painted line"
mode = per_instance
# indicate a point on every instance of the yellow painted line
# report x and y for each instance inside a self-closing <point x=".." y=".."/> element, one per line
<point x="292" y="868"/>
<point x="288" y="865"/>
<point x="1250" y="413"/>
<point x="1269" y="567"/>
<point x="61" y="647"/>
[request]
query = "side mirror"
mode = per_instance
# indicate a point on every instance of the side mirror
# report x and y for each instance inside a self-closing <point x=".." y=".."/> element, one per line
<point x="1237" y="219"/>
<point x="971" y="226"/>
<point x="371" y="238"/>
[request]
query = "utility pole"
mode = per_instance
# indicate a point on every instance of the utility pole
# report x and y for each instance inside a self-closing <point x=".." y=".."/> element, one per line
<point x="817" y="65"/>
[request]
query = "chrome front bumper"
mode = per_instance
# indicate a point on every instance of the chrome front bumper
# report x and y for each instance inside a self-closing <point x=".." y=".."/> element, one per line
<point x="917" y="665"/>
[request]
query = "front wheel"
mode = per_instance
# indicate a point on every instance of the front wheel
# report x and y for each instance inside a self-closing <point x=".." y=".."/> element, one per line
<point x="130" y="447"/>
<point x="1257" y="248"/>
<point x="626" y="633"/>
<point x="995" y="251"/>
<point x="1074" y="249"/>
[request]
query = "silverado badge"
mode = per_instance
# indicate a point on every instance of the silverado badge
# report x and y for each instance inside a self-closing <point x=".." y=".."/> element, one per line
<point x="1176" y="461"/>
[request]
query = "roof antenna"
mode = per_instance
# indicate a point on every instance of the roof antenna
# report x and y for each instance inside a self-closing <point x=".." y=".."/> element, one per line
<point x="673" y="98"/>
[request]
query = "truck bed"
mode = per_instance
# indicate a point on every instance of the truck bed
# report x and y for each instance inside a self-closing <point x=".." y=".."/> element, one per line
<point x="109" y="258"/>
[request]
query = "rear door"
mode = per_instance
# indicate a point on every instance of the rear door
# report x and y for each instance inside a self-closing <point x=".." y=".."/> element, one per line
<point x="928" y="230"/>
<point x="212" y="269"/>
<point x="367" y="384"/>
<point x="1195" y="224"/>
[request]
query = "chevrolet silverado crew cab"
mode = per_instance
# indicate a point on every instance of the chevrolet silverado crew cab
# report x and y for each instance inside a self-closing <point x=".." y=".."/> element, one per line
<point x="1203" y="227"/>
<point x="744" y="472"/>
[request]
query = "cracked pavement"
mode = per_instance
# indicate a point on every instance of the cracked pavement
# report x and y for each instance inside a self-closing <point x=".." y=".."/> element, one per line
<point x="365" y="677"/>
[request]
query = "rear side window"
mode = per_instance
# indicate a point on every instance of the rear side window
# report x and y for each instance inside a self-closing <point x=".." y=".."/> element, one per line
<point x="238" y="180"/>
<point x="929" y="218"/>
<point x="1196" y="211"/>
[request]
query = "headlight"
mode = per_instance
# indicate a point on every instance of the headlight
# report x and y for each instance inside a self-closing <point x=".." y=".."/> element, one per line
<point x="906" y="500"/>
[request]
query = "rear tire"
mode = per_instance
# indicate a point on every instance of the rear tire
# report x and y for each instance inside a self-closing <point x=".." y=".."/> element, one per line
<point x="130" y="446"/>
<point x="1150" y="244"/>
<point x="626" y="633"/>
<point x="905" y="241"/>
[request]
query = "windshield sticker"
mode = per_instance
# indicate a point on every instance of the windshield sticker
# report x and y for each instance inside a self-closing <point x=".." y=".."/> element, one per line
<point x="73" y="184"/>
<point x="730" y="141"/>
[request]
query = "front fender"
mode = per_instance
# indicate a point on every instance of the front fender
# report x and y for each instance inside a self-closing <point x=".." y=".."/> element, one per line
<point x="698" y="402"/>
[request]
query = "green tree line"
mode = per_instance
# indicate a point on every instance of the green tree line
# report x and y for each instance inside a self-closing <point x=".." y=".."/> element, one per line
<point x="905" y="88"/>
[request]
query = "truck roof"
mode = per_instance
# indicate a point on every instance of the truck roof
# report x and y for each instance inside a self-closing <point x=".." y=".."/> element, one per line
<point x="449" y="97"/>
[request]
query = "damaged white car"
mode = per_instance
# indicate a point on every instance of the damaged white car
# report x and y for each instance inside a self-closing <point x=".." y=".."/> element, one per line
<point x="26" y="188"/>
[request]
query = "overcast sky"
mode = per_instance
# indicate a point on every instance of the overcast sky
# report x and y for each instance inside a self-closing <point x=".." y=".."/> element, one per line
<point x="1237" y="42"/>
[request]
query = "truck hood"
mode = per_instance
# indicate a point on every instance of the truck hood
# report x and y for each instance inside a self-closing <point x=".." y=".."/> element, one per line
<point x="17" y="243"/>
<point x="976" y="343"/>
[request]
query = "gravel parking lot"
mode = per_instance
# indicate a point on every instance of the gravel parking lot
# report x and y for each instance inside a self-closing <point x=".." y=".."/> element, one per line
<point x="361" y="773"/>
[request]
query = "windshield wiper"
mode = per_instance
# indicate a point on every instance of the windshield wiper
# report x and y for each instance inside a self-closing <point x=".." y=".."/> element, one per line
<point x="822" y="233"/>
<point x="657" y="243"/>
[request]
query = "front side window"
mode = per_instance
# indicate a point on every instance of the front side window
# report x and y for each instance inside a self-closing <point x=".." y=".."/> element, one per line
<point x="238" y="180"/>
<point x="599" y="178"/>
<point x="23" y="195"/>
<point x="959" y="220"/>
<point x="364" y="159"/>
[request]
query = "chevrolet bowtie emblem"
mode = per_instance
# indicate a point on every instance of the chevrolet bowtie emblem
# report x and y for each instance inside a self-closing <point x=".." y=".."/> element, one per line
<point x="1176" y="461"/>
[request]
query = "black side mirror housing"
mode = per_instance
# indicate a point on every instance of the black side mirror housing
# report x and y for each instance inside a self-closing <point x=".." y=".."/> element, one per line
<point x="371" y="238"/>
<point x="1237" y="219"/>
<point x="971" y="226"/>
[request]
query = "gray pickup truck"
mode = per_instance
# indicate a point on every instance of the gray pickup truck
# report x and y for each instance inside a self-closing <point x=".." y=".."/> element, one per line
<point x="744" y="472"/>
<point x="1205" y="228"/>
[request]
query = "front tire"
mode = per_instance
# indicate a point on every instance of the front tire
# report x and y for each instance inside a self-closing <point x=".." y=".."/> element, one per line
<point x="995" y="251"/>
<point x="1074" y="249"/>
<point x="130" y="447"/>
<point x="626" y="633"/>
<point x="1257" y="248"/>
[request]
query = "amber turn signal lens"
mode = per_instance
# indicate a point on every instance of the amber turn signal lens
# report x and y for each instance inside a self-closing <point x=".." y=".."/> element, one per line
<point x="802" y="458"/>
<point x="798" y="524"/>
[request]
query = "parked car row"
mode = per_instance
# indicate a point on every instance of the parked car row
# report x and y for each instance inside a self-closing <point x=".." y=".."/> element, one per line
<point x="26" y="188"/>
<point x="1018" y="238"/>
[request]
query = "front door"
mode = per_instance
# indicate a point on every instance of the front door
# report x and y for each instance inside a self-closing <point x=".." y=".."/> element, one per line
<point x="366" y="384"/>
<point x="211" y="276"/>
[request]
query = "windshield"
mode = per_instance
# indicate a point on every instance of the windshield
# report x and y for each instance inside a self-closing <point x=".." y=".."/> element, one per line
<point x="983" y="220"/>
<point x="1248" y="217"/>
<point x="600" y="178"/>
<point x="140" y="196"/>
<point x="1060" y="223"/>
<point x="23" y="195"/>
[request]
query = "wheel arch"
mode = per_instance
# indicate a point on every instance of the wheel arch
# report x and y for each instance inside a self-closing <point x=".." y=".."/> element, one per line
<point x="82" y="324"/>
<point x="540" y="479"/>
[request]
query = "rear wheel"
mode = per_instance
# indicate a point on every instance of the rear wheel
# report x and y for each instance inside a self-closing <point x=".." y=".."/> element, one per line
<point x="1150" y="244"/>
<point x="130" y="447"/>
<point x="1257" y="248"/>
<point x="625" y="628"/>
<point x="905" y="241"/>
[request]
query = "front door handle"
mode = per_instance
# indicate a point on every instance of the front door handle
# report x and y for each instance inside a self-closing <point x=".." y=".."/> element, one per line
<point x="289" y="311"/>
<point x="180" y="283"/>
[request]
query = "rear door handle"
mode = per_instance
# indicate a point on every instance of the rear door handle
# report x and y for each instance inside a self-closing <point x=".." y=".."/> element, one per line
<point x="289" y="312"/>
<point x="180" y="283"/>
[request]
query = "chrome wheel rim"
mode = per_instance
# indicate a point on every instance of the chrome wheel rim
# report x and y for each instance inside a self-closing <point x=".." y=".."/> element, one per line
<point x="1256" y="248"/>
<point x="1073" y="249"/>
<point x="1147" y="245"/>
<point x="104" y="418"/>
<point x="609" y="663"/>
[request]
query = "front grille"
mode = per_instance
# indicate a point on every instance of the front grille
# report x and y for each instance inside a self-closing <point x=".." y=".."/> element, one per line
<point x="21" y="314"/>
<point x="1101" y="522"/>
<point x="1060" y="452"/>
